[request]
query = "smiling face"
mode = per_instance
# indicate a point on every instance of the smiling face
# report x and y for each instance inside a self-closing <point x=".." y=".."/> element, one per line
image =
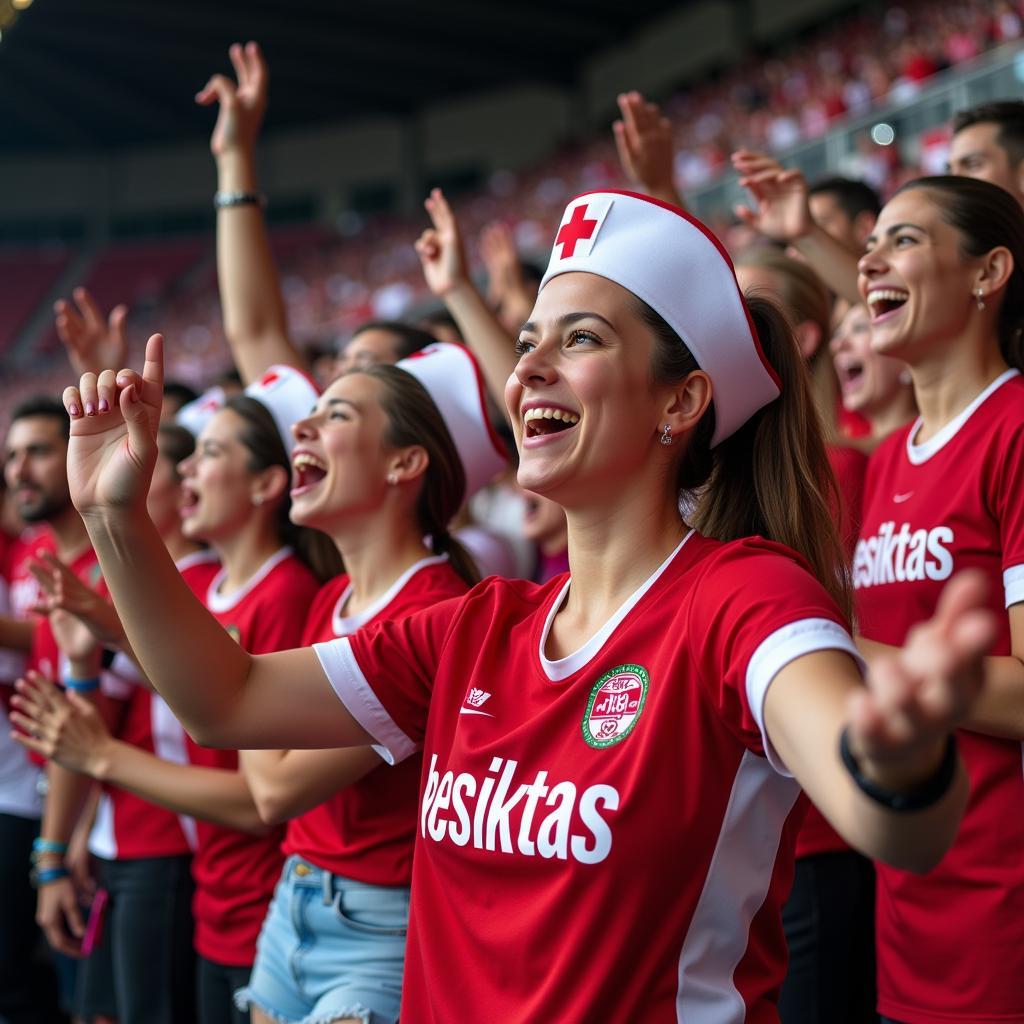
<point x="339" y="464"/>
<point x="217" y="482"/>
<point x="867" y="381"/>
<point x="584" y="408"/>
<point x="915" y="279"/>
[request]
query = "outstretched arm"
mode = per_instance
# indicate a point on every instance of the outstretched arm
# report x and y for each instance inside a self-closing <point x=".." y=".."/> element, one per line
<point x="443" y="258"/>
<point x="255" y="321"/>
<point x="70" y="731"/>
<point x="287" y="783"/>
<point x="222" y="695"/>
<point x="898" y="727"/>
<point x="782" y="213"/>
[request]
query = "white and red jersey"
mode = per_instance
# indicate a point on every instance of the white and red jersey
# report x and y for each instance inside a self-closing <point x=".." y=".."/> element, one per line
<point x="607" y="832"/>
<point x="951" y="943"/>
<point x="235" y="873"/>
<point x="19" y="773"/>
<point x="128" y="826"/>
<point x="366" y="830"/>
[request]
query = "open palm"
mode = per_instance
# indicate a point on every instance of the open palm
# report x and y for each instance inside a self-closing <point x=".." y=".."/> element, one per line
<point x="114" y="419"/>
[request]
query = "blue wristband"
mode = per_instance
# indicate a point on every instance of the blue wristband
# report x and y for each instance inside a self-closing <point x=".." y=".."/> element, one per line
<point x="82" y="685"/>
<point x="44" y="876"/>
<point x="42" y="846"/>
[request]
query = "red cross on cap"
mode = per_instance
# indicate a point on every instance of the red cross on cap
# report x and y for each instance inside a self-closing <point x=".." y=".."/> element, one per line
<point x="574" y="230"/>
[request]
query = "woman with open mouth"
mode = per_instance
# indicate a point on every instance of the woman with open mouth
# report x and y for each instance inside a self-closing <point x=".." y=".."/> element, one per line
<point x="943" y="281"/>
<point x="235" y="486"/>
<point x="611" y="761"/>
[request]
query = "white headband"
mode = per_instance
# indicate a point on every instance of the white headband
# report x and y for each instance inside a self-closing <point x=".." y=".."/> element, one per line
<point x="451" y="377"/>
<point x="289" y="396"/>
<point x="673" y="263"/>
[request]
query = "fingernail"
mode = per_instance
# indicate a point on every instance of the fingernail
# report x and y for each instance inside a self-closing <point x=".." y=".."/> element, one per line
<point x="73" y="410"/>
<point x="104" y="405"/>
<point x="90" y="409"/>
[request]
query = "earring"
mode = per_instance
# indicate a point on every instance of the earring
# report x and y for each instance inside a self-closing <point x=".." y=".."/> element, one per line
<point x="979" y="297"/>
<point x="257" y="500"/>
<point x="905" y="377"/>
<point x="666" y="435"/>
<point x="392" y="479"/>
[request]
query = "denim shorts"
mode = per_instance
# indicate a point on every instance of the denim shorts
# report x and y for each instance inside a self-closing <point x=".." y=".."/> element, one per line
<point x="330" y="948"/>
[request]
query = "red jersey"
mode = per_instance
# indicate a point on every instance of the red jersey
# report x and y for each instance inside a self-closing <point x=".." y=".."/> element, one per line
<point x="951" y="943"/>
<point x="366" y="830"/>
<point x="128" y="826"/>
<point x="19" y="773"/>
<point x="235" y="872"/>
<point x="607" y="833"/>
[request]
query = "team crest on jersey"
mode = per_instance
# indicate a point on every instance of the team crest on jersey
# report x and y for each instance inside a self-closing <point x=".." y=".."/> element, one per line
<point x="615" y="703"/>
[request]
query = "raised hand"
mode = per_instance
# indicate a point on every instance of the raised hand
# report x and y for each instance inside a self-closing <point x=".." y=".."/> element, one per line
<point x="63" y="590"/>
<point x="914" y="699"/>
<point x="91" y="341"/>
<point x="501" y="258"/>
<point x="114" y="420"/>
<point x="440" y="248"/>
<point x="242" y="103"/>
<point x="67" y="729"/>
<point x="782" y="212"/>
<point x="643" y="138"/>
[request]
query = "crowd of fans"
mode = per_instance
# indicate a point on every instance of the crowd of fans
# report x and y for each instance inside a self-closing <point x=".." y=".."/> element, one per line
<point x="365" y="269"/>
<point x="766" y="692"/>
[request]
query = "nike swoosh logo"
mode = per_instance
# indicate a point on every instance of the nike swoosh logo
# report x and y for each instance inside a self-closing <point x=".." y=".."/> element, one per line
<point x="471" y="711"/>
<point x="900" y="498"/>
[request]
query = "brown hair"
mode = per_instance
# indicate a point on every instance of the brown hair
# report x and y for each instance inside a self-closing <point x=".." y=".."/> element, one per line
<point x="804" y="299"/>
<point x="772" y="476"/>
<point x="414" y="419"/>
<point x="260" y="436"/>
<point x="175" y="443"/>
<point x="986" y="217"/>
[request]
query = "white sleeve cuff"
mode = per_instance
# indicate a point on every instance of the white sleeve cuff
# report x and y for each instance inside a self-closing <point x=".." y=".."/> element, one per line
<point x="1013" y="584"/>
<point x="347" y="679"/>
<point x="777" y="651"/>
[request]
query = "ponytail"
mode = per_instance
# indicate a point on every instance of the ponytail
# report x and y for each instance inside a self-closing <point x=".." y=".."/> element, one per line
<point x="772" y="476"/>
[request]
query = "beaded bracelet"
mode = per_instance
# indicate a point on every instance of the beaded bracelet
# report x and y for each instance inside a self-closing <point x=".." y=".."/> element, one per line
<point x="923" y="795"/>
<point x="42" y="846"/>
<point x="45" y="876"/>
<point x="82" y="685"/>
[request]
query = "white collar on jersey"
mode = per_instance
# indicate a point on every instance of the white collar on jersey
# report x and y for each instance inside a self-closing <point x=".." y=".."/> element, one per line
<point x="921" y="453"/>
<point x="345" y="625"/>
<point x="562" y="668"/>
<point x="218" y="602"/>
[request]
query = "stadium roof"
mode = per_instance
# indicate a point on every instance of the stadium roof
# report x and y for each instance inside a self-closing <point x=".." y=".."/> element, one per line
<point x="97" y="74"/>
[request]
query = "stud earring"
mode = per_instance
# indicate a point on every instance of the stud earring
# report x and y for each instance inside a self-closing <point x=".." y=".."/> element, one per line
<point x="257" y="500"/>
<point x="905" y="377"/>
<point x="979" y="297"/>
<point x="666" y="435"/>
<point x="392" y="479"/>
